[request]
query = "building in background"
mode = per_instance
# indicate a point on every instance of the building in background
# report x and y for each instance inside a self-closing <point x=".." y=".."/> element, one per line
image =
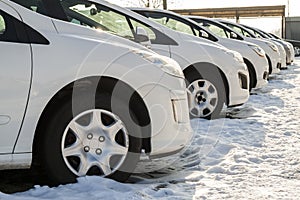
<point x="292" y="28"/>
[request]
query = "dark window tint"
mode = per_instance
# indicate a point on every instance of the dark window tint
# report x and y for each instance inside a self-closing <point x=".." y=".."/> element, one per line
<point x="177" y="23"/>
<point x="51" y="8"/>
<point x="8" y="31"/>
<point x="13" y="30"/>
<point x="2" y="25"/>
<point x="107" y="19"/>
<point x="35" y="5"/>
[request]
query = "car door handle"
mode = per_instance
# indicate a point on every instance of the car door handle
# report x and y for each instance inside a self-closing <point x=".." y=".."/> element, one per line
<point x="4" y="119"/>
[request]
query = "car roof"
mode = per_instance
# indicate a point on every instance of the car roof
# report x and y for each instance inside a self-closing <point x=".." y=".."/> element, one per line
<point x="179" y="16"/>
<point x="216" y="22"/>
<point x="237" y="25"/>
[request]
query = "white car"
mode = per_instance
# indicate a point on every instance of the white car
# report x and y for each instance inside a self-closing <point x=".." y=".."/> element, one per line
<point x="81" y="104"/>
<point x="215" y="75"/>
<point x="226" y="32"/>
<point x="288" y="47"/>
<point x="253" y="56"/>
<point x="297" y="51"/>
<point x="247" y="33"/>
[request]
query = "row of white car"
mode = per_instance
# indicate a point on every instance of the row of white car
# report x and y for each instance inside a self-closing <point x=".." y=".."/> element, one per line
<point x="87" y="87"/>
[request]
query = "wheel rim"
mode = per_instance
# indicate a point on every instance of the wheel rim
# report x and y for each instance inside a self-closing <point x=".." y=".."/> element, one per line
<point x="203" y="98"/>
<point x="95" y="143"/>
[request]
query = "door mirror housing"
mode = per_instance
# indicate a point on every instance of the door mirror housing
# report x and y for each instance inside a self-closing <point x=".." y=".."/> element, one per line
<point x="203" y="34"/>
<point x="142" y="37"/>
<point x="233" y="35"/>
<point x="93" y="11"/>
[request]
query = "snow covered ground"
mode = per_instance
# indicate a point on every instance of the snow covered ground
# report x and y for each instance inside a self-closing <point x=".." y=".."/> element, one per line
<point x="253" y="154"/>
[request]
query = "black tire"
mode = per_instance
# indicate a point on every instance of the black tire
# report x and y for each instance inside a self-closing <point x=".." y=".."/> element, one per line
<point x="252" y="77"/>
<point x="214" y="76"/>
<point x="252" y="74"/>
<point x="49" y="152"/>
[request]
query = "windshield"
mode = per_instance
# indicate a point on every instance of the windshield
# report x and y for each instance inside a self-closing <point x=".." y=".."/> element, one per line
<point x="89" y="14"/>
<point x="240" y="30"/>
<point x="96" y="16"/>
<point x="215" y="29"/>
<point x="173" y="24"/>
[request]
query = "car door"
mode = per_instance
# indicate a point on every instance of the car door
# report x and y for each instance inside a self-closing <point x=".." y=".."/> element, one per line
<point x="15" y="77"/>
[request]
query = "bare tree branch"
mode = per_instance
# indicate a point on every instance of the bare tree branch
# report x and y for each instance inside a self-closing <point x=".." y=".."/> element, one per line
<point x="151" y="3"/>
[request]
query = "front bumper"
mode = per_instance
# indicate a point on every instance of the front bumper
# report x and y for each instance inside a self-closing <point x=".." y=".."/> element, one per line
<point x="276" y="61"/>
<point x="282" y="56"/>
<point x="238" y="87"/>
<point x="288" y="55"/>
<point x="276" y="69"/>
<point x="169" y="114"/>
<point x="262" y="71"/>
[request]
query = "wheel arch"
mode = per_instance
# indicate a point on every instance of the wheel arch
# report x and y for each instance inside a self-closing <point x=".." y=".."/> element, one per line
<point x="252" y="72"/>
<point x="103" y="84"/>
<point x="270" y="64"/>
<point x="194" y="70"/>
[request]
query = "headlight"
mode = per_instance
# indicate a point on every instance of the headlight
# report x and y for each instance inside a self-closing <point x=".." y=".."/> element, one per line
<point x="168" y="65"/>
<point x="257" y="50"/>
<point x="272" y="46"/>
<point x="236" y="55"/>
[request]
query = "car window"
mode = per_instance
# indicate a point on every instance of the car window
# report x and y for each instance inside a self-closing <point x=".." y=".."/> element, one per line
<point x="173" y="24"/>
<point x="108" y="20"/>
<point x="34" y="5"/>
<point x="135" y="24"/>
<point x="215" y="29"/>
<point x="259" y="35"/>
<point x="2" y="25"/>
<point x="7" y="28"/>
<point x="101" y="17"/>
<point x="97" y="16"/>
<point x="15" y="31"/>
<point x="252" y="31"/>
<point x="237" y="29"/>
<point x="245" y="33"/>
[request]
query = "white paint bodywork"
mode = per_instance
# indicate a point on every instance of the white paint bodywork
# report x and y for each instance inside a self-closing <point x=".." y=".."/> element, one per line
<point x="194" y="50"/>
<point x="259" y="63"/>
<point x="274" y="56"/>
<point x="34" y="73"/>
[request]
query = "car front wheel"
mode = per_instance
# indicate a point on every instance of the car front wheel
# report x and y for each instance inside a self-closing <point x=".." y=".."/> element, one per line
<point x="95" y="141"/>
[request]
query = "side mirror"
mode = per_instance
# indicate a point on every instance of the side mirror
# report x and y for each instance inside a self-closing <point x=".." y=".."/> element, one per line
<point x="203" y="34"/>
<point x="93" y="11"/>
<point x="142" y="37"/>
<point x="233" y="35"/>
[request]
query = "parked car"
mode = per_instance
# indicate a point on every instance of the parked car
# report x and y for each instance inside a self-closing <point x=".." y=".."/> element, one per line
<point x="224" y="31"/>
<point x="276" y="38"/>
<point x="294" y="43"/>
<point x="77" y="102"/>
<point x="215" y="75"/>
<point x="253" y="56"/>
<point x="246" y="30"/>
<point x="297" y="51"/>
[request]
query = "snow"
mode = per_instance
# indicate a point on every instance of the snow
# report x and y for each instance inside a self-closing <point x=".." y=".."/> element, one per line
<point x="252" y="154"/>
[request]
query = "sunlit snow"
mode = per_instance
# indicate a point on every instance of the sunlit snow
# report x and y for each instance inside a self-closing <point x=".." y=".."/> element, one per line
<point x="252" y="154"/>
